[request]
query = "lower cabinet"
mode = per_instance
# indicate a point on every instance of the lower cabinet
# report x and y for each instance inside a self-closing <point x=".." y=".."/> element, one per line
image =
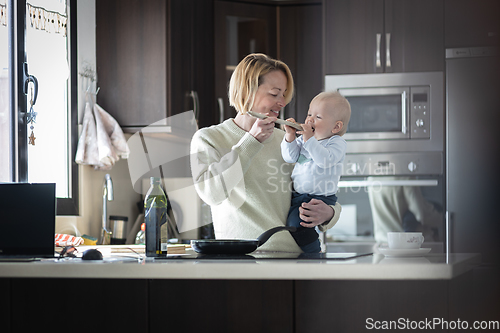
<point x="119" y="305"/>
<point x="5" y="312"/>
<point x="78" y="305"/>
<point x="359" y="306"/>
<point x="221" y="306"/>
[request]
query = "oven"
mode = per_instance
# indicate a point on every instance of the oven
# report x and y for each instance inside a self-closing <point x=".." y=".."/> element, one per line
<point x="393" y="173"/>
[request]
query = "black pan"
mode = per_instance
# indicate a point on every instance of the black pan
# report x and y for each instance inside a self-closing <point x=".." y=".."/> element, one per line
<point x="234" y="246"/>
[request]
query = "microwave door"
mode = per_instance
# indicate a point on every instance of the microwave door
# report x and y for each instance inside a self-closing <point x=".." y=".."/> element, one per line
<point x="377" y="113"/>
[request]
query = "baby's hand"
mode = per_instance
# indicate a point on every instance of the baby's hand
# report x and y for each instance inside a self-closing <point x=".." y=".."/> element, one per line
<point x="290" y="131"/>
<point x="289" y="128"/>
<point x="307" y="132"/>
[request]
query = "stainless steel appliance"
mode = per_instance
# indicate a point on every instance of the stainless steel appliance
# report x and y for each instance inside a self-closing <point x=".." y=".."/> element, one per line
<point x="473" y="115"/>
<point x="397" y="122"/>
<point x="389" y="113"/>
<point x="393" y="175"/>
<point x="119" y="229"/>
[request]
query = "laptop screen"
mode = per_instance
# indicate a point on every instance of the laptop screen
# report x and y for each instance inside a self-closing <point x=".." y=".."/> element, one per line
<point x="27" y="219"/>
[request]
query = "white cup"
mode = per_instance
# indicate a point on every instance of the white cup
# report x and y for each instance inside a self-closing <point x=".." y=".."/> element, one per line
<point x="405" y="240"/>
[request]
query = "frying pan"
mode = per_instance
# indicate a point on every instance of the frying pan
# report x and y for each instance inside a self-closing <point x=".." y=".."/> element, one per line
<point x="234" y="246"/>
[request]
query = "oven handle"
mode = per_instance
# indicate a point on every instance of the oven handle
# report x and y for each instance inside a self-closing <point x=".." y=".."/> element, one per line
<point x="378" y="183"/>
<point x="404" y="126"/>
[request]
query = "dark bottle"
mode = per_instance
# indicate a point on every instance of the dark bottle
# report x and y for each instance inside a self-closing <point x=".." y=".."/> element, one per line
<point x="155" y="215"/>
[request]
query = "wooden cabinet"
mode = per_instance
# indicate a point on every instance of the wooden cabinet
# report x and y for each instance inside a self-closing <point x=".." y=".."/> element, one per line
<point x="221" y="306"/>
<point x="102" y="305"/>
<point x="374" y="36"/>
<point x="131" y="50"/>
<point x="240" y="29"/>
<point x="215" y="305"/>
<point x="5" y="306"/>
<point x="470" y="23"/>
<point x="359" y="306"/>
<point x="191" y="61"/>
<point x="155" y="59"/>
<point x="301" y="46"/>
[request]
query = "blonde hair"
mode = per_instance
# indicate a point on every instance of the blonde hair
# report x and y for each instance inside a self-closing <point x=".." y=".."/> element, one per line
<point x="247" y="77"/>
<point x="339" y="104"/>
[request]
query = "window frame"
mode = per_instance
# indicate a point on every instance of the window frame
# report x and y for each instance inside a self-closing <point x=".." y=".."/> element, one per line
<point x="18" y="105"/>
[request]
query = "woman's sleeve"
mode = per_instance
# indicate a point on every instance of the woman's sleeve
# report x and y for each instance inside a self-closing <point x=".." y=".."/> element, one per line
<point x="216" y="175"/>
<point x="337" y="210"/>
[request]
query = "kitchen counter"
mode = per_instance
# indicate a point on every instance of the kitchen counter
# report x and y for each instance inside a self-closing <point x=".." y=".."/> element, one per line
<point x="264" y="292"/>
<point x="261" y="266"/>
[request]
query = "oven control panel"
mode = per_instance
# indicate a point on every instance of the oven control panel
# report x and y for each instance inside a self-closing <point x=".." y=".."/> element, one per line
<point x="420" y="118"/>
<point x="396" y="164"/>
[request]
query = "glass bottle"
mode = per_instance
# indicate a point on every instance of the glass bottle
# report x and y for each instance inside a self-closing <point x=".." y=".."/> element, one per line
<point x="155" y="215"/>
<point x="140" y="239"/>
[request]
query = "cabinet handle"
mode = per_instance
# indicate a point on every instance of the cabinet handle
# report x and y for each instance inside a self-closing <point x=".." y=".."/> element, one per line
<point x="196" y="104"/>
<point x="220" y="101"/>
<point x="388" y="50"/>
<point x="377" y="55"/>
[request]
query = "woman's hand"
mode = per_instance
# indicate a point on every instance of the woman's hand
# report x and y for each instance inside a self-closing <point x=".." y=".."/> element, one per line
<point x="315" y="212"/>
<point x="262" y="128"/>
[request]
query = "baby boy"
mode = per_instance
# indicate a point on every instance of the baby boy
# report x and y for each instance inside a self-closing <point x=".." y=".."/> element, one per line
<point x="318" y="155"/>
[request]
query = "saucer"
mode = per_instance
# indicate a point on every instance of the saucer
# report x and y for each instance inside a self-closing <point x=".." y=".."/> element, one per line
<point x="404" y="252"/>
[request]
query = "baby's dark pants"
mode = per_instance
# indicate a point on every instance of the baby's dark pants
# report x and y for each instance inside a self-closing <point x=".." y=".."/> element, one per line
<point x="306" y="238"/>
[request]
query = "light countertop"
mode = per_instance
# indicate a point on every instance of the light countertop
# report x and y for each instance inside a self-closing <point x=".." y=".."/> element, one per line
<point x="134" y="266"/>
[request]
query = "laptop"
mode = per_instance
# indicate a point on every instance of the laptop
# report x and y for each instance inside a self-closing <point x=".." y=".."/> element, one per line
<point x="27" y="220"/>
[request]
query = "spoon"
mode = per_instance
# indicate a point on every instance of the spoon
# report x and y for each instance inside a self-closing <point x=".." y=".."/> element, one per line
<point x="278" y="121"/>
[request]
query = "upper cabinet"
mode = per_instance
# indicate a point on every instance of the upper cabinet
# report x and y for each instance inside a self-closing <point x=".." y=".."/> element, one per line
<point x="131" y="49"/>
<point x="155" y="59"/>
<point x="191" y="61"/>
<point x="301" y="48"/>
<point x="470" y="23"/>
<point x="240" y="29"/>
<point x="375" y="36"/>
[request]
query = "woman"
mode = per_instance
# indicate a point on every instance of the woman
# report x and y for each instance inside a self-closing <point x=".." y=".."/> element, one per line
<point x="237" y="165"/>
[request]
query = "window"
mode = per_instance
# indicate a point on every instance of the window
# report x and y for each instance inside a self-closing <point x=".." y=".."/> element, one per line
<point x="39" y="46"/>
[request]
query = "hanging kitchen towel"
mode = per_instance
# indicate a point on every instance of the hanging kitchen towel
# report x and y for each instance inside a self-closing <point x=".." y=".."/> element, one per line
<point x="111" y="141"/>
<point x="87" y="152"/>
<point x="102" y="141"/>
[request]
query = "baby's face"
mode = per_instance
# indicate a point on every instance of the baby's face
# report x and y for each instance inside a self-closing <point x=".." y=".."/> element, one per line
<point x="322" y="119"/>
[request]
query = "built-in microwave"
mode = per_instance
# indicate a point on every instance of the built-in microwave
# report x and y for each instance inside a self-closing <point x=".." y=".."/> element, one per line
<point x="393" y="112"/>
<point x="388" y="113"/>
